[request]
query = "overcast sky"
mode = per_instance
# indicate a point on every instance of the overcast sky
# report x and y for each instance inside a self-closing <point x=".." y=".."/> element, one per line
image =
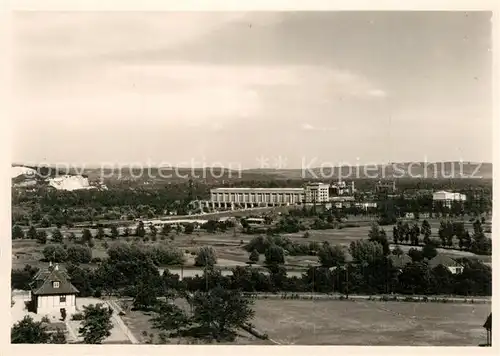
<point x="366" y="87"/>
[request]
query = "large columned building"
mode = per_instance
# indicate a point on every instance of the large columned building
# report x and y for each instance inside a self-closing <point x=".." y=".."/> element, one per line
<point x="262" y="197"/>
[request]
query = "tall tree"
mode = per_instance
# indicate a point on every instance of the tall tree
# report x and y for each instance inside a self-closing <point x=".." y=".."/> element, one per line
<point x="32" y="233"/>
<point x="114" y="232"/>
<point x="189" y="229"/>
<point x="57" y="236"/>
<point x="275" y="255"/>
<point x="71" y="237"/>
<point x="331" y="256"/>
<point x="221" y="311"/>
<point x="153" y="230"/>
<point x="206" y="257"/>
<point x="426" y="231"/>
<point x="140" y="230"/>
<point x="86" y="236"/>
<point x="365" y="252"/>
<point x="17" y="232"/>
<point x="55" y="253"/>
<point x="100" y="233"/>
<point x="41" y="237"/>
<point x="96" y="323"/>
<point x="395" y="234"/>
<point x="170" y="317"/>
<point x="429" y="251"/>
<point x="378" y="235"/>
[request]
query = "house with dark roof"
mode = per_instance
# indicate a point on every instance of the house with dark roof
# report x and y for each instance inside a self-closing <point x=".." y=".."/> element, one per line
<point x="51" y="292"/>
<point x="487" y="326"/>
<point x="446" y="261"/>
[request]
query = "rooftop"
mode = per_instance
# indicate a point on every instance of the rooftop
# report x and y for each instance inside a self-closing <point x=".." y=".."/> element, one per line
<point x="47" y="287"/>
<point x="443" y="260"/>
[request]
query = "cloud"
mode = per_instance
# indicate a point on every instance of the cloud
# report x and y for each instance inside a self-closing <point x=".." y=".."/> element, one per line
<point x="194" y="93"/>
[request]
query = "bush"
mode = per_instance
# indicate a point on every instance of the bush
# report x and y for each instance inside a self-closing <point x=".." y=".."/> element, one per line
<point x="77" y="316"/>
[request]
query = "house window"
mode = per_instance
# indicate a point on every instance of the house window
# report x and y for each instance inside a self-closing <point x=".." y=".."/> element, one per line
<point x="55" y="284"/>
<point x="62" y="299"/>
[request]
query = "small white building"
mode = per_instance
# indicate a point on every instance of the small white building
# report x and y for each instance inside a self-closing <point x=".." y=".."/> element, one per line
<point x="446" y="261"/>
<point x="52" y="292"/>
<point x="448" y="197"/>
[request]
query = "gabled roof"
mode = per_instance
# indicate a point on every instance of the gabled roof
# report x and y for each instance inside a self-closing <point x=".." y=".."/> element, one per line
<point x="47" y="288"/>
<point x="43" y="274"/>
<point x="443" y="260"/>
<point x="487" y="324"/>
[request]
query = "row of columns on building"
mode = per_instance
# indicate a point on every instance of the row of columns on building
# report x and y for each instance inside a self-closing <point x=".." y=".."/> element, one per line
<point x="233" y="206"/>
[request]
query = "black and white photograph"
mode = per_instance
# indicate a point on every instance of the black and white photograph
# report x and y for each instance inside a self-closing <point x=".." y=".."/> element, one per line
<point x="252" y="178"/>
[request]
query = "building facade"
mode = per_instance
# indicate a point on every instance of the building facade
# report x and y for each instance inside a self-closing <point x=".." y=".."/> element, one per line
<point x="447" y="198"/>
<point x="51" y="292"/>
<point x="255" y="197"/>
<point x="231" y="198"/>
<point x="317" y="193"/>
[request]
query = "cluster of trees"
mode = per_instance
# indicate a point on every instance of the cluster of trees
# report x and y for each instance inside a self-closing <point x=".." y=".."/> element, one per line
<point x="96" y="327"/>
<point x="280" y="246"/>
<point x="72" y="254"/>
<point x="373" y="275"/>
<point x="477" y="243"/>
<point x="403" y="233"/>
<point x="48" y="207"/>
<point x="448" y="232"/>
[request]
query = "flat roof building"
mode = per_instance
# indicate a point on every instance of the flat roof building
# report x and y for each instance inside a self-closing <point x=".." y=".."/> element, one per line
<point x="263" y="197"/>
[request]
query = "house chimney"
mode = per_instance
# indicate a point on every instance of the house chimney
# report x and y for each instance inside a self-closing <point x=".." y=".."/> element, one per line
<point x="50" y="264"/>
<point x="56" y="267"/>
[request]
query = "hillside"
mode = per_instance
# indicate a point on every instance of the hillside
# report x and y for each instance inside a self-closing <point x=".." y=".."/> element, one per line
<point x="405" y="171"/>
<point x="420" y="170"/>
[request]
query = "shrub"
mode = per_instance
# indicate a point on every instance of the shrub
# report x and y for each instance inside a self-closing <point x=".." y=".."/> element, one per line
<point x="77" y="316"/>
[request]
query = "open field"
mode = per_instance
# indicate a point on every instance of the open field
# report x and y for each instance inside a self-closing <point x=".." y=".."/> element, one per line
<point x="371" y="323"/>
<point x="229" y="245"/>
